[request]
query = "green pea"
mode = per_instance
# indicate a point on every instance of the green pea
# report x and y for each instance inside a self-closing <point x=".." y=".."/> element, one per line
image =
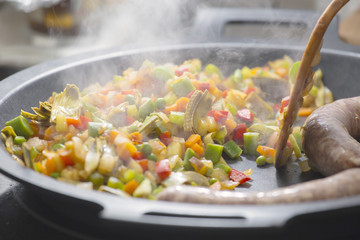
<point x="261" y="160"/>
<point x="160" y="103"/>
<point x="146" y="149"/>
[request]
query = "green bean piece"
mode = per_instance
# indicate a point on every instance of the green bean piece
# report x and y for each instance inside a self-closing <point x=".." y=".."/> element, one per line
<point x="213" y="152"/>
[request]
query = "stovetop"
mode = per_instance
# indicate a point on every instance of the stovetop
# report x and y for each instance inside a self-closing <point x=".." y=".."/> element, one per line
<point x="17" y="221"/>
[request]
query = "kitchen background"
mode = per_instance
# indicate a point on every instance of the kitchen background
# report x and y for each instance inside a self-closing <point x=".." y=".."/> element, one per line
<point x="32" y="32"/>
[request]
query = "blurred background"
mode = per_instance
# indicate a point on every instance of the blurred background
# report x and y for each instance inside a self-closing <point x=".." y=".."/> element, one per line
<point x="32" y="32"/>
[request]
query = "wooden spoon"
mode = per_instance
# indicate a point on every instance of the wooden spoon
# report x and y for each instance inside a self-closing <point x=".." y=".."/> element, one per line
<point x="303" y="83"/>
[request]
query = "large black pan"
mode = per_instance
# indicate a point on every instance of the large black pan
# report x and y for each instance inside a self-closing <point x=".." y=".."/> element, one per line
<point x="136" y="217"/>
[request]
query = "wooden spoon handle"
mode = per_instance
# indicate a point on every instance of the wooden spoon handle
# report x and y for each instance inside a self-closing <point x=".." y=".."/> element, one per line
<point x="313" y="46"/>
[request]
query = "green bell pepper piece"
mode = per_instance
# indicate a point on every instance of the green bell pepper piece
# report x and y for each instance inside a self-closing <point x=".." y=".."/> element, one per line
<point x="251" y="142"/>
<point x="213" y="152"/>
<point x="177" y="117"/>
<point x="163" y="73"/>
<point x="211" y="69"/>
<point x="21" y="126"/>
<point x="224" y="167"/>
<point x="189" y="153"/>
<point x="146" y="108"/>
<point x="114" y="182"/>
<point x="182" y="87"/>
<point x="232" y="149"/>
<point x="93" y="129"/>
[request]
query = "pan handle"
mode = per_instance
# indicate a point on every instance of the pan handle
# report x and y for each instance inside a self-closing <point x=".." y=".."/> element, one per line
<point x="281" y="26"/>
<point x="196" y="216"/>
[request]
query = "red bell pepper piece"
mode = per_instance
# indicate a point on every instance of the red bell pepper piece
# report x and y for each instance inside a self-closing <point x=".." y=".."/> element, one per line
<point x="248" y="90"/>
<point x="84" y="122"/>
<point x="245" y="115"/>
<point x="204" y="86"/>
<point x="190" y="94"/>
<point x="284" y="102"/>
<point x="238" y="132"/>
<point x="238" y="176"/>
<point x="163" y="169"/>
<point x="180" y="70"/>
<point x="220" y="116"/>
<point x="80" y="123"/>
<point x="165" y="138"/>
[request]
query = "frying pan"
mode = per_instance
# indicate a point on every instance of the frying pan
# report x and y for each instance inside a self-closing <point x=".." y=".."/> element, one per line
<point x="112" y="214"/>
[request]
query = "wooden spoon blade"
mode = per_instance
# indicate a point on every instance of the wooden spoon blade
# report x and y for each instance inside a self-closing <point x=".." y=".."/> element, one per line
<point x="312" y="48"/>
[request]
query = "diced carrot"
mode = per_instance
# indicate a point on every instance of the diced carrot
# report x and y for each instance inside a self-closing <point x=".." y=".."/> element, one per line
<point x="35" y="128"/>
<point x="143" y="163"/>
<point x="304" y="112"/>
<point x="197" y="148"/>
<point x="102" y="101"/>
<point x="38" y="166"/>
<point x="105" y="90"/>
<point x="66" y="156"/>
<point x="281" y="71"/>
<point x="138" y="155"/>
<point x="50" y="166"/>
<point x="266" y="151"/>
<point x="131" y="186"/>
<point x="50" y="132"/>
<point x="224" y="93"/>
<point x="118" y="99"/>
<point x="182" y="103"/>
<point x="135" y="137"/>
<point x="166" y="138"/>
<point x="129" y="92"/>
<point x="76" y="122"/>
<point x="196" y="84"/>
<point x="194" y="138"/>
<point x="126" y="150"/>
<point x="113" y="134"/>
<point x="168" y="109"/>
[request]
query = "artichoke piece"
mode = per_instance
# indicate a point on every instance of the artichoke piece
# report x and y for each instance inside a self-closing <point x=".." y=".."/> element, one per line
<point x="67" y="102"/>
<point x="35" y="117"/>
<point x="8" y="131"/>
<point x="117" y="115"/>
<point x="199" y="105"/>
<point x="148" y="125"/>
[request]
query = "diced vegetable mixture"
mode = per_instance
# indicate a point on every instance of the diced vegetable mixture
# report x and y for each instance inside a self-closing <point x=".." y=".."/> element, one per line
<point x="160" y="126"/>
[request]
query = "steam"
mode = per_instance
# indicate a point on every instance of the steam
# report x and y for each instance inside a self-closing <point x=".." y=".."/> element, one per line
<point x="141" y="23"/>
